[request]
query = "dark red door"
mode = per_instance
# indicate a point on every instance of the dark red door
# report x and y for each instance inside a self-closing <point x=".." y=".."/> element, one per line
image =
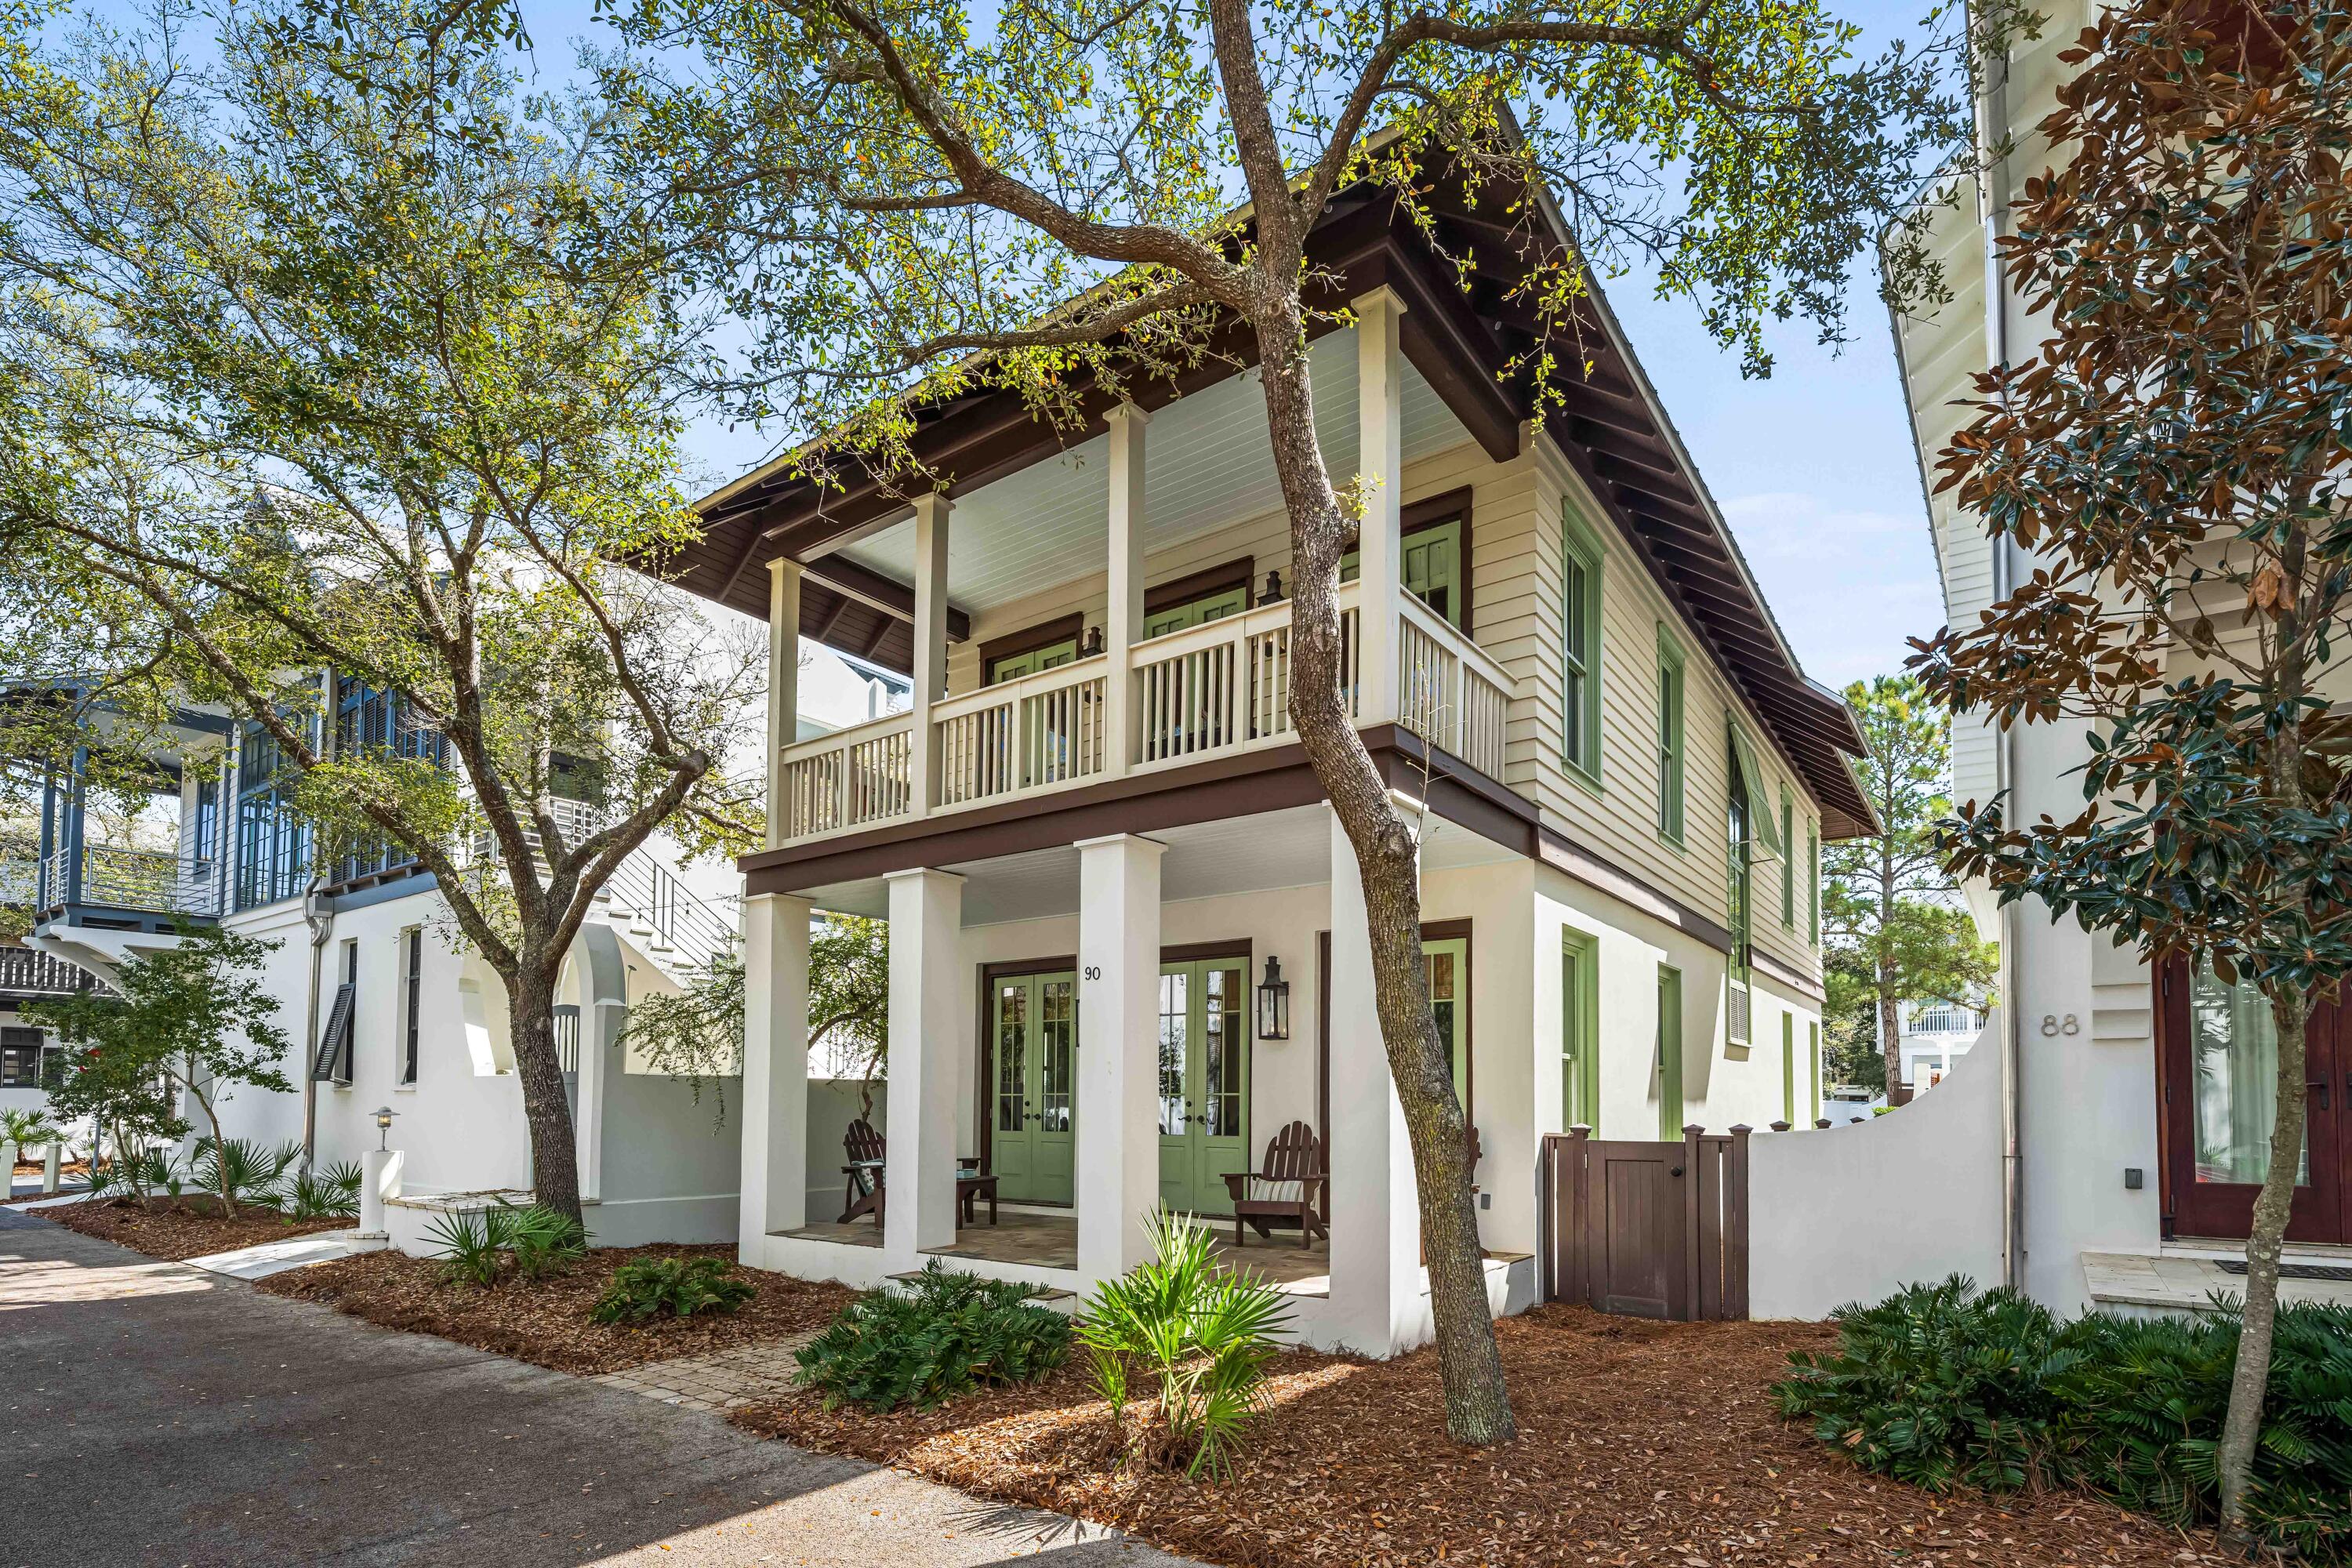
<point x="2218" y="1071"/>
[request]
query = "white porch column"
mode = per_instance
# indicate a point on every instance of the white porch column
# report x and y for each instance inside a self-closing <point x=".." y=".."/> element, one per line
<point x="784" y="680"/>
<point x="1379" y="459"/>
<point x="775" y="1067"/>
<point x="927" y="993"/>
<point x="931" y="639"/>
<point x="1123" y="621"/>
<point x="1376" y="1281"/>
<point x="1117" y="1152"/>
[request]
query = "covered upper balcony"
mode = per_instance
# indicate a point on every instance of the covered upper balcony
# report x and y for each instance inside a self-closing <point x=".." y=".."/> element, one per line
<point x="1116" y="612"/>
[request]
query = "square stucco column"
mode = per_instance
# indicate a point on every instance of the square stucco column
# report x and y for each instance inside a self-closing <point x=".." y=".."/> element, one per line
<point x="1118" y="1057"/>
<point x="1380" y="537"/>
<point x="927" y="992"/>
<point x="1376" y="1280"/>
<point x="775" y="1066"/>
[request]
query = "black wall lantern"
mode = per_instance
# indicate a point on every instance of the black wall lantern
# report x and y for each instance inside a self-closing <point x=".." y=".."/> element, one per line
<point x="1274" y="1003"/>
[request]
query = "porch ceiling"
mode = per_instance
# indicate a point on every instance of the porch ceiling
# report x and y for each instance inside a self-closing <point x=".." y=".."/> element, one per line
<point x="1208" y="464"/>
<point x="1204" y="859"/>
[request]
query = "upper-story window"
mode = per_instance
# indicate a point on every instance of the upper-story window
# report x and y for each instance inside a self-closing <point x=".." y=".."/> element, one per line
<point x="1813" y="882"/>
<point x="369" y="718"/>
<point x="274" y="845"/>
<point x="1433" y="568"/>
<point x="1787" y="859"/>
<point x="1670" y="738"/>
<point x="1580" y="691"/>
<point x="1740" y="905"/>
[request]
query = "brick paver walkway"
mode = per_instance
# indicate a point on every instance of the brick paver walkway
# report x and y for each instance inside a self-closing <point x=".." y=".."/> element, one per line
<point x="747" y="1375"/>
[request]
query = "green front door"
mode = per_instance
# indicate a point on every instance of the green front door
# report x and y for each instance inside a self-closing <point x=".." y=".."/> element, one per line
<point x="1033" y="1039"/>
<point x="1209" y="607"/>
<point x="1204" y="1052"/>
<point x="1014" y="666"/>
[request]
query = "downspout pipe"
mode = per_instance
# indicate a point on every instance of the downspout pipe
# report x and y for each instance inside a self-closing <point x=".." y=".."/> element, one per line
<point x="1991" y="55"/>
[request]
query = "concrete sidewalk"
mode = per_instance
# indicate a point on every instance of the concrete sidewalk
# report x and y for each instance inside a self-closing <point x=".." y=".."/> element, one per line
<point x="156" y="1413"/>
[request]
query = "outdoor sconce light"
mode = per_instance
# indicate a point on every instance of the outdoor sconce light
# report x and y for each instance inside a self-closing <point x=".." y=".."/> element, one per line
<point x="1274" y="1003"/>
<point x="1094" y="644"/>
<point x="384" y="1115"/>
<point x="1273" y="594"/>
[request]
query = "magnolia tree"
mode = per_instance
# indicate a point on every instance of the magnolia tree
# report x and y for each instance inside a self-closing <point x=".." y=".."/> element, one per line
<point x="922" y="200"/>
<point x="339" y="354"/>
<point x="2175" y="457"/>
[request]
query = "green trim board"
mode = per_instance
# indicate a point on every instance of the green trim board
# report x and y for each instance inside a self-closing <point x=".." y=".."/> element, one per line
<point x="1204" y="1071"/>
<point x="1581" y="642"/>
<point x="1813" y="1029"/>
<point x="1813" y="882"/>
<point x="1672" y="741"/>
<point x="1580" y="1030"/>
<point x="1670" y="1052"/>
<point x="1033" y="1095"/>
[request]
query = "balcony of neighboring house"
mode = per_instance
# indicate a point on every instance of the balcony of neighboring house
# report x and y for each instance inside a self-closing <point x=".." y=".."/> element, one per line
<point x="1112" y="621"/>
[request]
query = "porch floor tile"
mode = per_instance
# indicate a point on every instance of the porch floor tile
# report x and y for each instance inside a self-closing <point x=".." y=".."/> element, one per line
<point x="1051" y="1241"/>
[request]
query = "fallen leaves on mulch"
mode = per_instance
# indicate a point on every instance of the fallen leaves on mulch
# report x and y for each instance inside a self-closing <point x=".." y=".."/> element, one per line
<point x="545" y="1321"/>
<point x="193" y="1225"/>
<point x="1640" y="1444"/>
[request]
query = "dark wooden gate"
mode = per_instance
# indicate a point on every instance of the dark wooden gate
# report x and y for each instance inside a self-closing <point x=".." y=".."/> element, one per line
<point x="1650" y="1230"/>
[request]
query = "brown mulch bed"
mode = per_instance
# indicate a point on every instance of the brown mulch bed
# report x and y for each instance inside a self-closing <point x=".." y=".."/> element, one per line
<point x="193" y="1225"/>
<point x="1639" y="1444"/>
<point x="545" y="1321"/>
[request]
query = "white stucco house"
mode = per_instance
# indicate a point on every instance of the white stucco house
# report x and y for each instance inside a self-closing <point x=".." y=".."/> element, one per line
<point x="2110" y="1123"/>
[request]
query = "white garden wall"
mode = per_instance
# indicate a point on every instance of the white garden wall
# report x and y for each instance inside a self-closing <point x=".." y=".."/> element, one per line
<point x="1853" y="1212"/>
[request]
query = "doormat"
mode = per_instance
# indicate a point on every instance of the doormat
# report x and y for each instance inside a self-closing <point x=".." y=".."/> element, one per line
<point x="2291" y="1270"/>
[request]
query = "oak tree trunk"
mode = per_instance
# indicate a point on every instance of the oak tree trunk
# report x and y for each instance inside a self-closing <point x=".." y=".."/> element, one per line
<point x="1477" y="1406"/>
<point x="555" y="1158"/>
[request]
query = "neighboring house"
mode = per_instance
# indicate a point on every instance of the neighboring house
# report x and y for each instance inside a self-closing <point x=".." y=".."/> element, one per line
<point x="386" y="1005"/>
<point x="2138" y="1099"/>
<point x="1127" y="939"/>
<point x="27" y="1054"/>
<point x="1932" y="1038"/>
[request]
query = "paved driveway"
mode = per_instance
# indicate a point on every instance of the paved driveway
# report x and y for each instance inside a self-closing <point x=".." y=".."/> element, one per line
<point x="154" y="1414"/>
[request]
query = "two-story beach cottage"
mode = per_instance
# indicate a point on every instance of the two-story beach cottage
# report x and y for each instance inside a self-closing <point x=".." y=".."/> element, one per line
<point x="1127" y="939"/>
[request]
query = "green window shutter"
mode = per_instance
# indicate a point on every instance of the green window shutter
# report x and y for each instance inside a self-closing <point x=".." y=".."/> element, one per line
<point x="1671" y="738"/>
<point x="1814" y="1030"/>
<point x="1787" y="860"/>
<point x="1813" y="881"/>
<point x="1670" y="1053"/>
<point x="1752" y="774"/>
<point x="1788" y="1068"/>
<point x="1579" y="1032"/>
<point x="1580" y="649"/>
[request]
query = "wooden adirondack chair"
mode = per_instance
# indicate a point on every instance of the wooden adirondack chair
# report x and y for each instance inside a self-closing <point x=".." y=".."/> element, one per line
<point x="1284" y="1192"/>
<point x="866" y="1193"/>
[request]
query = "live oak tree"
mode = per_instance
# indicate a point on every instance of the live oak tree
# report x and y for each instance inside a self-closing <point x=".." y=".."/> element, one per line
<point x="2174" y="456"/>
<point x="189" y="1025"/>
<point x="1891" y="920"/>
<point x="925" y="202"/>
<point x="339" y="354"/>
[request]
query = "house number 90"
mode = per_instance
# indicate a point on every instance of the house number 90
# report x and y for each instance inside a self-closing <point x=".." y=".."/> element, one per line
<point x="2052" y="1024"/>
<point x="1093" y="972"/>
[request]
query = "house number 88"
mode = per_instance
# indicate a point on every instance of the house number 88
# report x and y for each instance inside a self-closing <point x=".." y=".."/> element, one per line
<point x="2052" y="1024"/>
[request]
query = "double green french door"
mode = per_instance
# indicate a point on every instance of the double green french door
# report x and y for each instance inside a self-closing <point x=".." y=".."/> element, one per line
<point x="1204" y="1057"/>
<point x="1032" y="1088"/>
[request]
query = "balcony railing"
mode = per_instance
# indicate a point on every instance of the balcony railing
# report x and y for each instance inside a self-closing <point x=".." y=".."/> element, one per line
<point x="24" y="970"/>
<point x="150" y="882"/>
<point x="1216" y="689"/>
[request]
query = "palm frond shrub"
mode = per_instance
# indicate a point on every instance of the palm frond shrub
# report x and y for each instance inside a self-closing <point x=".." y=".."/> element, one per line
<point x="27" y="1130"/>
<point x="470" y="1245"/>
<point x="1941" y="1385"/>
<point x="946" y="1335"/>
<point x="244" y="1170"/>
<point x="317" y="1194"/>
<point x="1203" y="1334"/>
<point x="541" y="1241"/>
<point x="670" y="1286"/>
